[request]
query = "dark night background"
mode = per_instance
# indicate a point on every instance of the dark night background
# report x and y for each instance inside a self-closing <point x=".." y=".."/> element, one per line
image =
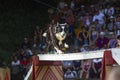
<point x="18" y="19"/>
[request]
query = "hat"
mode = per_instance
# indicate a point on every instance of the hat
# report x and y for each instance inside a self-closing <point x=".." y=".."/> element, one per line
<point x="96" y="10"/>
<point x="65" y="5"/>
<point x="82" y="6"/>
<point x="102" y="33"/>
<point x="111" y="17"/>
<point x="110" y="33"/>
<point x="85" y="45"/>
<point x="92" y="6"/>
<point x="93" y="26"/>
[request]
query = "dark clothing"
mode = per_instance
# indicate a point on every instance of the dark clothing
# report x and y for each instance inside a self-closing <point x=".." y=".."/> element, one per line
<point x="101" y="42"/>
<point x="25" y="45"/>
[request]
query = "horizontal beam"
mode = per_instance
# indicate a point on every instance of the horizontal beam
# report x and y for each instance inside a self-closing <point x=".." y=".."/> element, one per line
<point x="71" y="56"/>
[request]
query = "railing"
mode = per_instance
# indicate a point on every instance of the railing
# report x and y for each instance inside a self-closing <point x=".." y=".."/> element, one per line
<point x="29" y="73"/>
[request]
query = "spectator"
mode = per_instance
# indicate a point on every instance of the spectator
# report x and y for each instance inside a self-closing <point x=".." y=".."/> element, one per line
<point x="117" y="23"/>
<point x="92" y="9"/>
<point x="77" y="67"/>
<point x="102" y="9"/>
<point x="96" y="65"/>
<point x="93" y="35"/>
<point x="107" y="33"/>
<point x="112" y="42"/>
<point x="52" y="50"/>
<point x="93" y="47"/>
<point x="87" y="20"/>
<point x="69" y="75"/>
<point x="62" y="17"/>
<point x="84" y="48"/>
<point x="42" y="47"/>
<point x="25" y="63"/>
<point x="111" y="25"/>
<point x="84" y="36"/>
<point x="15" y="69"/>
<point x="72" y="5"/>
<point x="55" y="18"/>
<point x="37" y="35"/>
<point x="29" y="53"/>
<point x="70" y="19"/>
<point x="15" y="61"/>
<point x="100" y="17"/>
<point x="97" y="26"/>
<point x="110" y="11"/>
<point x="118" y="42"/>
<point x="82" y="10"/>
<point x="86" y="66"/>
<point x="61" y="4"/>
<point x="77" y="43"/>
<point x="66" y="65"/>
<point x="71" y="34"/>
<point x="25" y="43"/>
<point x="17" y="52"/>
<point x="22" y="54"/>
<point x="65" y="9"/>
<point x="102" y="41"/>
<point x="117" y="10"/>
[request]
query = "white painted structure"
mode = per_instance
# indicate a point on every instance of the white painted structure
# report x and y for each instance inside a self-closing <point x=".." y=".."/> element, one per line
<point x="76" y="56"/>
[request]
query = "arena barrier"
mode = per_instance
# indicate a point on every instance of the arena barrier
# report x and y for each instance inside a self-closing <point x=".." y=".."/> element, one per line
<point x="111" y="59"/>
<point x="44" y="64"/>
<point x="5" y="74"/>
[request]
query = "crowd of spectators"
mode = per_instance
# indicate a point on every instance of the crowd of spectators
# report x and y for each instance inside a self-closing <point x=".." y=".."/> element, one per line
<point x="21" y="60"/>
<point x="90" y="27"/>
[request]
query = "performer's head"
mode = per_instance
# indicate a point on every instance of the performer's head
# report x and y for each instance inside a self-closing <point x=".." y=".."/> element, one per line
<point x="114" y="74"/>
